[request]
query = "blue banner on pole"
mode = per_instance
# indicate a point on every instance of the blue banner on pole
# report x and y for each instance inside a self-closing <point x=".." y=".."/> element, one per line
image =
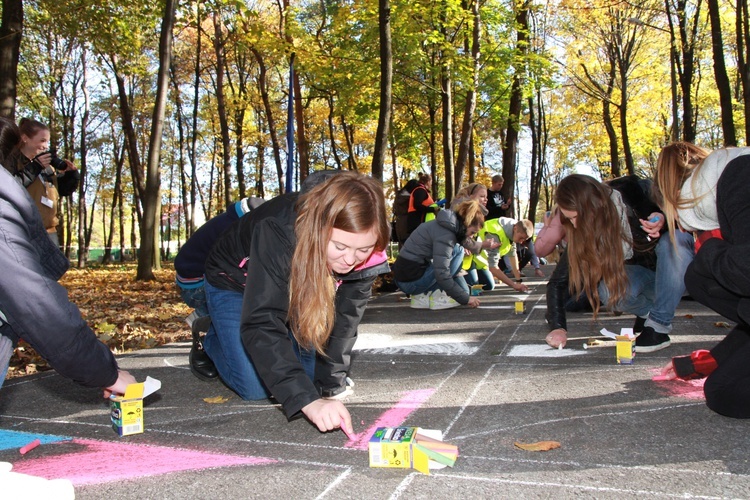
<point x="289" y="187"/>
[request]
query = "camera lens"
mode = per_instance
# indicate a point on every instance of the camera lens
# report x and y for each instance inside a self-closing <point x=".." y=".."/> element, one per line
<point x="58" y="163"/>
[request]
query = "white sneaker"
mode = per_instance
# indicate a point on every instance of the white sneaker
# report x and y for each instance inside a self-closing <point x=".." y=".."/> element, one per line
<point x="421" y="301"/>
<point x="341" y="395"/>
<point x="441" y="300"/>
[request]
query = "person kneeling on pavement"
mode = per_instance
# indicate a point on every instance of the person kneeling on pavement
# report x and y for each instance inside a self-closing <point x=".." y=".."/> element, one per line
<point x="428" y="266"/>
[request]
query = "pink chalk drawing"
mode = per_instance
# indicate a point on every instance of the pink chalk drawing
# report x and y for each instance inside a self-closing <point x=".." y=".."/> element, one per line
<point x="392" y="417"/>
<point x="688" y="389"/>
<point x="102" y="462"/>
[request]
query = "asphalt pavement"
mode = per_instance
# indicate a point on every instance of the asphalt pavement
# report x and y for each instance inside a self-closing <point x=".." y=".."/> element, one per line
<point x="483" y="377"/>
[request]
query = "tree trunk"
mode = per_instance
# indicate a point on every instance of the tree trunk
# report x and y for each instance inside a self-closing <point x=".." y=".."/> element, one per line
<point x="349" y="136"/>
<point x="263" y="85"/>
<point x="720" y="74"/>
<point x="222" y="110"/>
<point x="239" y="150"/>
<point x="467" y="126"/>
<point x="11" y="30"/>
<point x="627" y="150"/>
<point x="470" y="104"/>
<point x="194" y="131"/>
<point x="131" y="141"/>
<point x="148" y="259"/>
<point x="446" y="102"/>
<point x="83" y="168"/>
<point x="510" y="145"/>
<point x="332" y="134"/>
<point x="684" y="59"/>
<point x="386" y="90"/>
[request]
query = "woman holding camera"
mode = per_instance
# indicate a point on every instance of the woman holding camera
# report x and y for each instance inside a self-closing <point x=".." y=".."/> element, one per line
<point x="45" y="176"/>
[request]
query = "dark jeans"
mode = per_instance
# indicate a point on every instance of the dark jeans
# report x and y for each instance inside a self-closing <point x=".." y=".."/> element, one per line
<point x="727" y="389"/>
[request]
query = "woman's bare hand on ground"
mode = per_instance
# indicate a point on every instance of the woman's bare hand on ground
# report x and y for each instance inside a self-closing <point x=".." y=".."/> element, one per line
<point x="328" y="414"/>
<point x="557" y="337"/>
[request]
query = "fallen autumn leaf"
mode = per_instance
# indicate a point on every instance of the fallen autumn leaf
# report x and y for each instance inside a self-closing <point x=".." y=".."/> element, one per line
<point x="538" y="446"/>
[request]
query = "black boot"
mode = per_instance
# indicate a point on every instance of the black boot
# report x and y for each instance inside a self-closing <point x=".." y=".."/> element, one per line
<point x="200" y="364"/>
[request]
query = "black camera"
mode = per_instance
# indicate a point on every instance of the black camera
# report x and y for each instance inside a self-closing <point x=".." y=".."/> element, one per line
<point x="55" y="161"/>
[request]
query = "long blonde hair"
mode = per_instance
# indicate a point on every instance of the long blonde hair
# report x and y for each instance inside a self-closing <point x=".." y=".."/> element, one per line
<point x="595" y="244"/>
<point x="470" y="212"/>
<point x="347" y="201"/>
<point x="676" y="163"/>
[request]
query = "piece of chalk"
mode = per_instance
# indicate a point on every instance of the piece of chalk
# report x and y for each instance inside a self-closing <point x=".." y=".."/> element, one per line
<point x="559" y="347"/>
<point x="655" y="218"/>
<point x="27" y="448"/>
<point x="659" y="378"/>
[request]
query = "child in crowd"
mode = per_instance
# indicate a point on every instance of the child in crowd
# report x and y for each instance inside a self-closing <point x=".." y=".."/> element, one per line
<point x="506" y="233"/>
<point x="474" y="246"/>
<point x="429" y="264"/>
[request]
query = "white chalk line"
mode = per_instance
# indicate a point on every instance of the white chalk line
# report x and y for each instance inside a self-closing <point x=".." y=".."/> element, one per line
<point x="401" y="488"/>
<point x="571" y="463"/>
<point x="578" y="486"/>
<point x="468" y="400"/>
<point x="334" y="483"/>
<point x="568" y="419"/>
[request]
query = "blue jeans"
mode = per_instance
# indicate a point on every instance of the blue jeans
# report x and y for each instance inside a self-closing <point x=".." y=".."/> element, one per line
<point x="476" y="276"/>
<point x="427" y="283"/>
<point x="224" y="346"/>
<point x="195" y="298"/>
<point x="639" y="296"/>
<point x="671" y="263"/>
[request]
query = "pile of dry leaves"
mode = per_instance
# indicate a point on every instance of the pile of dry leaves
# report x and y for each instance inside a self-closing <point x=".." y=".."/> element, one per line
<point x="125" y="314"/>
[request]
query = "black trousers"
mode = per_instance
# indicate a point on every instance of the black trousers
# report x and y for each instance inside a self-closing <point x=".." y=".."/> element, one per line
<point x="727" y="389"/>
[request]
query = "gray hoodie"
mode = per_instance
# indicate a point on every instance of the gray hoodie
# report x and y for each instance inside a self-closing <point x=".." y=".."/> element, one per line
<point x="433" y="242"/>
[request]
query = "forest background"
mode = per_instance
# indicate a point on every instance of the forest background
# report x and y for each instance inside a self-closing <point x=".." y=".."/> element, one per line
<point x="172" y="110"/>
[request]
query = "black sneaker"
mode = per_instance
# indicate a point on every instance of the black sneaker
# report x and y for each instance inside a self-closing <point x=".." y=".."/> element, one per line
<point x="638" y="326"/>
<point x="650" y="341"/>
<point x="200" y="363"/>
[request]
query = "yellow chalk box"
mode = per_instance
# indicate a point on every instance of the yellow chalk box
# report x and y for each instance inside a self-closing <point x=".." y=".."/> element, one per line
<point x="520" y="307"/>
<point x="126" y="411"/>
<point x="625" y="349"/>
<point x="411" y="448"/>
<point x="391" y="447"/>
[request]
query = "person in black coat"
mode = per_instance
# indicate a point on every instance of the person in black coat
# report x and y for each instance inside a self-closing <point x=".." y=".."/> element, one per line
<point x="709" y="198"/>
<point x="284" y="281"/>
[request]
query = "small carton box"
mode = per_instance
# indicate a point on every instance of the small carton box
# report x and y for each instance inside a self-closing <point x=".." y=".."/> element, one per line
<point x="391" y="447"/>
<point x="625" y="347"/>
<point x="410" y="447"/>
<point x="126" y="411"/>
<point x="520" y="307"/>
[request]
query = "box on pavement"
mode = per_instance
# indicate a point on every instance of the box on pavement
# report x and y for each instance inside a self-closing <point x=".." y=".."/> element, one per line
<point x="126" y="411"/>
<point x="625" y="347"/>
<point x="410" y="447"/>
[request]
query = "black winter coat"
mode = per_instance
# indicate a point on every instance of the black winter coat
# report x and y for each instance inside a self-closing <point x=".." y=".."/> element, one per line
<point x="254" y="257"/>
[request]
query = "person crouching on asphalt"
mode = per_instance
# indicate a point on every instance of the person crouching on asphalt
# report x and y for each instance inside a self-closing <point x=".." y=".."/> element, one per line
<point x="278" y="285"/>
<point x="428" y="266"/>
